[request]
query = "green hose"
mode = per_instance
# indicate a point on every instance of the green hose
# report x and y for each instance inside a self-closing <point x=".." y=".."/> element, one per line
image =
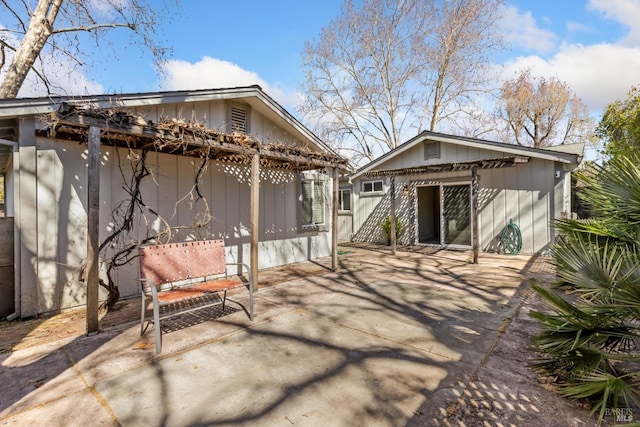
<point x="510" y="240"/>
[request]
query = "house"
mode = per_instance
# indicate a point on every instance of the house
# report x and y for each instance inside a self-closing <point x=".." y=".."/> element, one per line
<point x="226" y="164"/>
<point x="436" y="203"/>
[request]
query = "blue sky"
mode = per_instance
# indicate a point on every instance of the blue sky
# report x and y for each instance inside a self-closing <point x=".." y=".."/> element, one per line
<point x="594" y="45"/>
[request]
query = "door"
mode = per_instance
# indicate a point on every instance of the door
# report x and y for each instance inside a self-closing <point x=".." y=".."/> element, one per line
<point x="456" y="214"/>
<point x="429" y="215"/>
<point x="444" y="214"/>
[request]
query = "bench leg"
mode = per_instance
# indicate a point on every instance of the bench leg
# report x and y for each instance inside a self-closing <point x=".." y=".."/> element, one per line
<point x="224" y="300"/>
<point x="156" y="327"/>
<point x="142" y="312"/>
<point x="251" y="305"/>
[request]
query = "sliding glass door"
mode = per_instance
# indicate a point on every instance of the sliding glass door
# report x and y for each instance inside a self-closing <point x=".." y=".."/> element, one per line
<point x="456" y="214"/>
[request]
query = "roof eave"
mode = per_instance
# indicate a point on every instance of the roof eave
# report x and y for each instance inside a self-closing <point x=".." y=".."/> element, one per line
<point x="570" y="160"/>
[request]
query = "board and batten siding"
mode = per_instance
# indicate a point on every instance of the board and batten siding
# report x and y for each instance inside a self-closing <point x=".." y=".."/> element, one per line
<point x="449" y="153"/>
<point x="528" y="194"/>
<point x="53" y="205"/>
<point x="213" y="115"/>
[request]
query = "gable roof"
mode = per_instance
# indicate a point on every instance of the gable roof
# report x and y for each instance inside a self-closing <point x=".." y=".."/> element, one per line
<point x="252" y="95"/>
<point x="570" y="154"/>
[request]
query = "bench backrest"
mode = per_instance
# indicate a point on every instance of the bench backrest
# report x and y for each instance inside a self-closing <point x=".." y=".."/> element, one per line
<point x="174" y="262"/>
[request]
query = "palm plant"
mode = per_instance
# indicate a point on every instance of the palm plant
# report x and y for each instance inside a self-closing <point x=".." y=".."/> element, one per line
<point x="591" y="339"/>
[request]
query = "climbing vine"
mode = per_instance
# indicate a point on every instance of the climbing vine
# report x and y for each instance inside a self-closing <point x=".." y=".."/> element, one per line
<point x="120" y="247"/>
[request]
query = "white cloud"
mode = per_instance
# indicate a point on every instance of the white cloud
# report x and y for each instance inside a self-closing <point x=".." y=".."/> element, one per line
<point x="626" y="12"/>
<point x="577" y="27"/>
<point x="212" y="73"/>
<point x="599" y="74"/>
<point x="522" y="31"/>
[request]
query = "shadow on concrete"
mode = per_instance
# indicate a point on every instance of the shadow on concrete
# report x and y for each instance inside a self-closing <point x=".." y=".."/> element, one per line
<point x="389" y="340"/>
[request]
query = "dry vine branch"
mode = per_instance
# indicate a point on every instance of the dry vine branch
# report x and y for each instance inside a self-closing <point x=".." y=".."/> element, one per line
<point x="124" y="217"/>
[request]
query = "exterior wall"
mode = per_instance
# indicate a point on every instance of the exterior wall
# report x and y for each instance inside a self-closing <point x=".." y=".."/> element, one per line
<point x="51" y="229"/>
<point x="529" y="194"/>
<point x="213" y="115"/>
<point x="368" y="211"/>
<point x="449" y="153"/>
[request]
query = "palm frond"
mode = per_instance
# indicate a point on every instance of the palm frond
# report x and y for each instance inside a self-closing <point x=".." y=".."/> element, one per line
<point x="607" y="389"/>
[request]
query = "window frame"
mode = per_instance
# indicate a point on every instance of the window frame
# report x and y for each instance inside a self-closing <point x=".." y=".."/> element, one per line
<point x="373" y="190"/>
<point x="312" y="224"/>
<point x="341" y="199"/>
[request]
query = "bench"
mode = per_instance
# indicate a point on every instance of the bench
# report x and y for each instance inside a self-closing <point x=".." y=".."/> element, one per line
<point x="185" y="276"/>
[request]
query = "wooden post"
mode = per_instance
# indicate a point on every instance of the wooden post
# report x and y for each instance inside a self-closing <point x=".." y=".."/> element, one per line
<point x="393" y="215"/>
<point x="254" y="221"/>
<point x="474" y="212"/>
<point x="93" y="229"/>
<point x="334" y="220"/>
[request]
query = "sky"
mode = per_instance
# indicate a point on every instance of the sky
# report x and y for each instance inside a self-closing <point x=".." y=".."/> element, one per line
<point x="593" y="45"/>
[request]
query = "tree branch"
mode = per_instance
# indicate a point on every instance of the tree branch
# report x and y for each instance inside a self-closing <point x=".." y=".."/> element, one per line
<point x="93" y="27"/>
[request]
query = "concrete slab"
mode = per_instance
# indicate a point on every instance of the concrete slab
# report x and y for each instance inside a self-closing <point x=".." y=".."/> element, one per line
<point x="388" y="341"/>
<point x="307" y="370"/>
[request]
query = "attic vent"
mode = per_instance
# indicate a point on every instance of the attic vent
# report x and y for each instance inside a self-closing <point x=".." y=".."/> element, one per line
<point x="238" y="119"/>
<point x="431" y="150"/>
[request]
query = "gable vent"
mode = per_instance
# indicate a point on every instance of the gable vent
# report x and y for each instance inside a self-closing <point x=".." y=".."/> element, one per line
<point x="238" y="119"/>
<point x="431" y="150"/>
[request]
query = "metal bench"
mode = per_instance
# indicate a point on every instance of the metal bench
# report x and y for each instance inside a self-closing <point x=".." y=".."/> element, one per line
<point x="175" y="273"/>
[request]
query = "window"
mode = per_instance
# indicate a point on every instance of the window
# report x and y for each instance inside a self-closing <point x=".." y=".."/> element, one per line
<point x="431" y="150"/>
<point x="312" y="203"/>
<point x="372" y="186"/>
<point x="238" y="118"/>
<point x="344" y="202"/>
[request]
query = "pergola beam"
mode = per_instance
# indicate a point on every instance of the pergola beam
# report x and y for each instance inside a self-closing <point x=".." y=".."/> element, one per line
<point x="196" y="143"/>
<point x="505" y="162"/>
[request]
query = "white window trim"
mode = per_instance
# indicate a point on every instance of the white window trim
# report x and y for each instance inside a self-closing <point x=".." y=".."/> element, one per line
<point x="341" y="197"/>
<point x="373" y="190"/>
<point x="314" y="178"/>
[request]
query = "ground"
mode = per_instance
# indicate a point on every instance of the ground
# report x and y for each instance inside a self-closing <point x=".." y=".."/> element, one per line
<point x="502" y="390"/>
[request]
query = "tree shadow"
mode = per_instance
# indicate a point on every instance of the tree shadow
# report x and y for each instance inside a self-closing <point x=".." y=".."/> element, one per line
<point x="384" y="338"/>
<point x="456" y="305"/>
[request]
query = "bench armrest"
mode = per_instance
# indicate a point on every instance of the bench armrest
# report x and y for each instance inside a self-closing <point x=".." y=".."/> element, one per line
<point x="245" y="268"/>
<point x="151" y="285"/>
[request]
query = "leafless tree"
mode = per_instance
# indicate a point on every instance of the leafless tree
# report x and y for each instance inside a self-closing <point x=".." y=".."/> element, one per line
<point x="389" y="67"/>
<point x="62" y="30"/>
<point x="539" y="112"/>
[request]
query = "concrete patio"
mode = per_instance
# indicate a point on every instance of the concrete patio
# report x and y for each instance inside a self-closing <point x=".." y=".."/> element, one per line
<point x="387" y="341"/>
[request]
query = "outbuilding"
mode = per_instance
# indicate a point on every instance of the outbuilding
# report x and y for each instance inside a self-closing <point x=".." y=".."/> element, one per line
<point x="458" y="192"/>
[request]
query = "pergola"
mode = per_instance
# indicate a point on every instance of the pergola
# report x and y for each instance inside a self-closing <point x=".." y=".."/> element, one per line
<point x="473" y="166"/>
<point x="121" y="128"/>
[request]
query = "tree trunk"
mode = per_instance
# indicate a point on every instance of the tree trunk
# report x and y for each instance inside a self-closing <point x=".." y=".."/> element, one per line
<point x="40" y="28"/>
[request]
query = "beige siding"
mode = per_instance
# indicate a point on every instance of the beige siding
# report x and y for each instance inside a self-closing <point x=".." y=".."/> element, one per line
<point x="524" y="194"/>
<point x="528" y="194"/>
<point x="53" y="243"/>
<point x="449" y="153"/>
<point x="213" y="114"/>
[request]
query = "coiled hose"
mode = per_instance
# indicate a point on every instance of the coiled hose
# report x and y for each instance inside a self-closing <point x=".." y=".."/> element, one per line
<point x="510" y="240"/>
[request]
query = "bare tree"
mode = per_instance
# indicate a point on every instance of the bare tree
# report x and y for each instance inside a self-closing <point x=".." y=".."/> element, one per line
<point x="539" y="112"/>
<point x="60" y="28"/>
<point x="391" y="66"/>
